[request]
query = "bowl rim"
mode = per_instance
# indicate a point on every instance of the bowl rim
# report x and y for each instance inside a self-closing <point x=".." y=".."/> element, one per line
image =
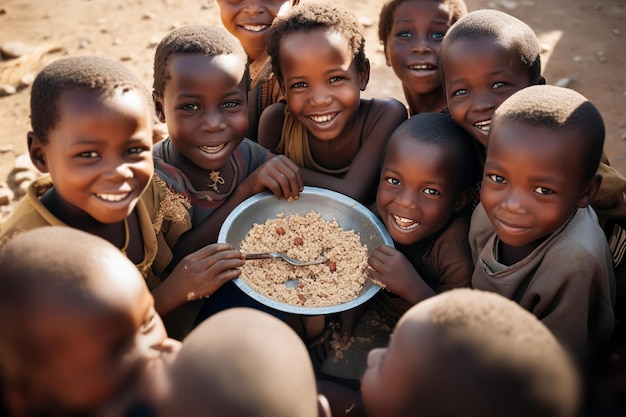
<point x="302" y="310"/>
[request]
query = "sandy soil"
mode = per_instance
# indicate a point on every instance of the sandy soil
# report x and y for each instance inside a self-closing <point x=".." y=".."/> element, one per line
<point x="584" y="41"/>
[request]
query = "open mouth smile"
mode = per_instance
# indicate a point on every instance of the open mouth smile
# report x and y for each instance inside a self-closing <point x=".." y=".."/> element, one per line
<point x="255" y="28"/>
<point x="404" y="223"/>
<point x="483" y="125"/>
<point x="113" y="198"/>
<point x="212" y="149"/>
<point x="423" y="67"/>
<point x="326" y="118"/>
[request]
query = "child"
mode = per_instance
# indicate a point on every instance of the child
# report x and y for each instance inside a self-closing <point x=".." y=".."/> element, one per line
<point x="318" y="56"/>
<point x="467" y="353"/>
<point x="249" y="21"/>
<point x="200" y="81"/>
<point x="534" y="236"/>
<point x="262" y="369"/>
<point x="485" y="58"/>
<point x="411" y="32"/>
<point x="79" y="334"/>
<point x="92" y="133"/>
<point x="425" y="184"/>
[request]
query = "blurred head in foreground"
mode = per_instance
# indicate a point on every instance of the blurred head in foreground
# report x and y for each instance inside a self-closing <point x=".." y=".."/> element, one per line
<point x="470" y="353"/>
<point x="242" y="362"/>
<point x="78" y="329"/>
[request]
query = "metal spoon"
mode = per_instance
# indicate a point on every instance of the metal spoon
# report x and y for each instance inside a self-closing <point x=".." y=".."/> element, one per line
<point x="284" y="257"/>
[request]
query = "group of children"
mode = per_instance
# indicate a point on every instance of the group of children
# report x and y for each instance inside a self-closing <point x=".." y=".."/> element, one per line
<point x="495" y="182"/>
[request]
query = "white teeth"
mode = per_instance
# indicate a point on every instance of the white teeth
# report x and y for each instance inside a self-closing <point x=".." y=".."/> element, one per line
<point x="422" y="67"/>
<point x="404" y="223"/>
<point x="484" y="125"/>
<point x="322" y="119"/>
<point x="256" y="28"/>
<point x="112" y="197"/>
<point x="212" y="149"/>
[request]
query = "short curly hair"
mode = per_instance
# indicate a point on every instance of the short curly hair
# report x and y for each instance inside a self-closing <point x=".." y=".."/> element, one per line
<point x="510" y="32"/>
<point x="558" y="108"/>
<point x="457" y="9"/>
<point x="197" y="39"/>
<point x="310" y="16"/>
<point x="440" y="130"/>
<point x="496" y="356"/>
<point x="75" y="73"/>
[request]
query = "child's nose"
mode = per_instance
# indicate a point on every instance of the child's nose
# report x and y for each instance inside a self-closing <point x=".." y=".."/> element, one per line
<point x="320" y="97"/>
<point x="118" y="170"/>
<point x="420" y="44"/>
<point x="253" y="6"/>
<point x="483" y="102"/>
<point x="213" y="121"/>
<point x="408" y="199"/>
<point x="514" y="201"/>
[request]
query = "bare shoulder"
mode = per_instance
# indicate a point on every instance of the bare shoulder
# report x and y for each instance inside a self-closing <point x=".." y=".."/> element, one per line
<point x="271" y="125"/>
<point x="384" y="116"/>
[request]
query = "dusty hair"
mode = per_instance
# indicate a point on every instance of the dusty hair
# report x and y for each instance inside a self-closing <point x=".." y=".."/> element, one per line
<point x="198" y="39"/>
<point x="88" y="73"/>
<point x="503" y="29"/>
<point x="310" y="16"/>
<point x="557" y="108"/>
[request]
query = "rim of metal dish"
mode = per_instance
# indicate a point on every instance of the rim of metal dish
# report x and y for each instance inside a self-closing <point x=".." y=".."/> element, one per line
<point x="302" y="310"/>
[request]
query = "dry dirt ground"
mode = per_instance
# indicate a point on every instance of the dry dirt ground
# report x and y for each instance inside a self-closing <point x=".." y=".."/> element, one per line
<point x="584" y="42"/>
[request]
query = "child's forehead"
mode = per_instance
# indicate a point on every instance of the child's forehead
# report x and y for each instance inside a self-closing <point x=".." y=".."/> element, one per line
<point x="188" y="66"/>
<point x="86" y="101"/>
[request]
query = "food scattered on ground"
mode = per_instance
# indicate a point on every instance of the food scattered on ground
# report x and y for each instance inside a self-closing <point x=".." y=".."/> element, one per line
<point x="337" y="281"/>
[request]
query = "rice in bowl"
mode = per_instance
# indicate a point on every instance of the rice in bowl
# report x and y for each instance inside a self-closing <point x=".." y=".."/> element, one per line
<point x="338" y="281"/>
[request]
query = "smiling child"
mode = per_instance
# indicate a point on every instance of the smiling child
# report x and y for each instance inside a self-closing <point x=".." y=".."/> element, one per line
<point x="425" y="184"/>
<point x="249" y="21"/>
<point x="318" y="56"/>
<point x="92" y="133"/>
<point x="534" y="236"/>
<point x="79" y="333"/>
<point x="411" y="32"/>
<point x="200" y="91"/>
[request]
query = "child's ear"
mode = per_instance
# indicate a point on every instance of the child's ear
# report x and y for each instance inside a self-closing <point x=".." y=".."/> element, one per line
<point x="36" y="151"/>
<point x="463" y="200"/>
<point x="158" y="107"/>
<point x="365" y="74"/>
<point x="323" y="406"/>
<point x="387" y="59"/>
<point x="590" y="190"/>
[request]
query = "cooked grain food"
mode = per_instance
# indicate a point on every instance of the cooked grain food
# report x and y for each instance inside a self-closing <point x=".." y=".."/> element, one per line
<point x="337" y="281"/>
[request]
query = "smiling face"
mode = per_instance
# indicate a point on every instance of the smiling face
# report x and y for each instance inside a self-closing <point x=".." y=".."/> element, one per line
<point x="205" y="107"/>
<point x="321" y="82"/>
<point x="250" y="20"/>
<point x="413" y="44"/>
<point x="417" y="192"/>
<point x="99" y="153"/>
<point x="83" y="352"/>
<point x="532" y="181"/>
<point x="478" y="76"/>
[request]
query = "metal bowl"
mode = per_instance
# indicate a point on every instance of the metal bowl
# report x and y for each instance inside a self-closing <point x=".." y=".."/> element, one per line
<point x="350" y="214"/>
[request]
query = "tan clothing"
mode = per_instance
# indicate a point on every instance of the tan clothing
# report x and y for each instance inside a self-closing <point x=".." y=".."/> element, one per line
<point x="567" y="281"/>
<point x="153" y="216"/>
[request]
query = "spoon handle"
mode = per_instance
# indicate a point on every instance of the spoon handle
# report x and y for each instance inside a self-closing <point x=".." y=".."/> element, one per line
<point x="266" y="255"/>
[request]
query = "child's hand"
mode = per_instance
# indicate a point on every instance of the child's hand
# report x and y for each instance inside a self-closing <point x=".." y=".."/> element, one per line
<point x="394" y="271"/>
<point x="279" y="175"/>
<point x="198" y="275"/>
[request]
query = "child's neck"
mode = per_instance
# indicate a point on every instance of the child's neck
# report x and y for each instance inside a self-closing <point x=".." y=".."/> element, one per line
<point x="200" y="178"/>
<point x="116" y="233"/>
<point x="509" y="255"/>
<point x="339" y="152"/>
<point x="435" y="101"/>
